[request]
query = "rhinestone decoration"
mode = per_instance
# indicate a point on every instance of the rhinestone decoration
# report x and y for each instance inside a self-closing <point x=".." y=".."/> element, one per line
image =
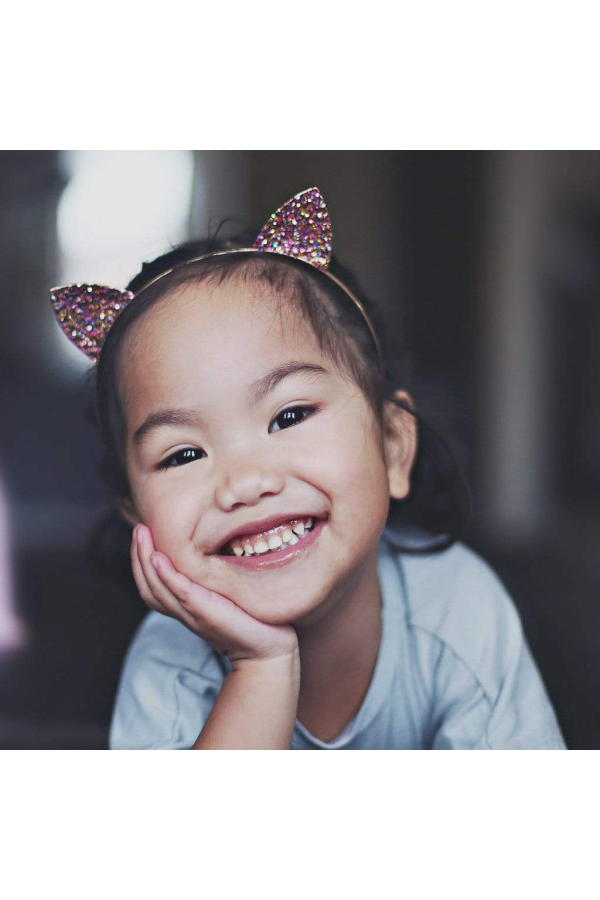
<point x="86" y="312"/>
<point x="300" y="229"/>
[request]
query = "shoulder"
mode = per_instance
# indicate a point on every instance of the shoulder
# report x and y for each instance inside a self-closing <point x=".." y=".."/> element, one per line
<point x="169" y="681"/>
<point x="163" y="642"/>
<point x="455" y="599"/>
<point x="470" y="654"/>
<point x="454" y="583"/>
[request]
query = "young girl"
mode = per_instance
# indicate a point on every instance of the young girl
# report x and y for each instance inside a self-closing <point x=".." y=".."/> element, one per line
<point x="265" y="459"/>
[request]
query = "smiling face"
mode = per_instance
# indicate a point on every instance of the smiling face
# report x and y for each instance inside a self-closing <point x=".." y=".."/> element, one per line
<point x="235" y="420"/>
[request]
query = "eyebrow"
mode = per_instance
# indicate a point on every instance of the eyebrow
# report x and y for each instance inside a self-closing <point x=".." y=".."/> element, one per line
<point x="258" y="390"/>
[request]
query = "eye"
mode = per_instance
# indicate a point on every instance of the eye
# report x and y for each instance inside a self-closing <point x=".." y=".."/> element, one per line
<point x="182" y="457"/>
<point x="292" y="416"/>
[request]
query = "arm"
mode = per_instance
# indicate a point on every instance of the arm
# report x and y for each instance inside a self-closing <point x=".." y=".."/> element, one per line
<point x="256" y="707"/>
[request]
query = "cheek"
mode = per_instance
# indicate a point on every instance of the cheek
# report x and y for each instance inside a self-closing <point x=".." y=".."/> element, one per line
<point x="352" y="472"/>
<point x="353" y="464"/>
<point x="169" y="513"/>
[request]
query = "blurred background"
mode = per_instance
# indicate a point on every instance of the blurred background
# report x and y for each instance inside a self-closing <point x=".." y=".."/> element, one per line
<point x="488" y="263"/>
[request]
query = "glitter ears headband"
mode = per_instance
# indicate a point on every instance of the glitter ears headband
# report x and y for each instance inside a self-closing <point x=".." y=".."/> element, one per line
<point x="300" y="229"/>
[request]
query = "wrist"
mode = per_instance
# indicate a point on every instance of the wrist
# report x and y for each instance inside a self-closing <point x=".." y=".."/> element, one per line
<point x="284" y="651"/>
<point x="284" y="664"/>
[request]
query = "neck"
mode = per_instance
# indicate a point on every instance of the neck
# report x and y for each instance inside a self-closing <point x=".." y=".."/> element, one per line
<point x="338" y="654"/>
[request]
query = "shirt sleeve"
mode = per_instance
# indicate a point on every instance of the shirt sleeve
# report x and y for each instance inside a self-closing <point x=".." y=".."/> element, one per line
<point x="502" y="705"/>
<point x="169" y="683"/>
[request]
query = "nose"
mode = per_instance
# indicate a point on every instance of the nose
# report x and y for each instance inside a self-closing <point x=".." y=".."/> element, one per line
<point x="245" y="484"/>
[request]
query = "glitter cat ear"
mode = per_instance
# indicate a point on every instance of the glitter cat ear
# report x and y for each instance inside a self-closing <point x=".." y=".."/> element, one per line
<point x="86" y="312"/>
<point x="300" y="229"/>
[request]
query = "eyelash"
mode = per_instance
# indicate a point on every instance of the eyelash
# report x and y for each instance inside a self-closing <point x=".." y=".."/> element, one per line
<point x="310" y="410"/>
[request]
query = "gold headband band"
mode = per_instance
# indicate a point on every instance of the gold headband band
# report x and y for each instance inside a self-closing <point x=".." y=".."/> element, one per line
<point x="333" y="278"/>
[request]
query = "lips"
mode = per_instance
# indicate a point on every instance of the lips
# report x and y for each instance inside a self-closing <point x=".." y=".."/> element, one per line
<point x="265" y="535"/>
<point x="273" y="560"/>
<point x="283" y="536"/>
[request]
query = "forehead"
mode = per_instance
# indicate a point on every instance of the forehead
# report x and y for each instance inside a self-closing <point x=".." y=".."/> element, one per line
<point x="206" y="337"/>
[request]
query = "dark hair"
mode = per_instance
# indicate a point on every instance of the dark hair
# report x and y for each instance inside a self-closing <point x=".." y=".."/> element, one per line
<point x="438" y="503"/>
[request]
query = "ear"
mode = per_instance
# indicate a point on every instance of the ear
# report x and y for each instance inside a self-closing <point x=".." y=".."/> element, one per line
<point x="128" y="511"/>
<point x="400" y="441"/>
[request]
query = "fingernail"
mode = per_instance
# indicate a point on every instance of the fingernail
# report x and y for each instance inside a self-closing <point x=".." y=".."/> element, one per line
<point x="140" y="534"/>
<point x="154" y="560"/>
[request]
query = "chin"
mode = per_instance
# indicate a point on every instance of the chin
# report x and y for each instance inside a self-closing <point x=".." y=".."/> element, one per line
<point x="272" y="609"/>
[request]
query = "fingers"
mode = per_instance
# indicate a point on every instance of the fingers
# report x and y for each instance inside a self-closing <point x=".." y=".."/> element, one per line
<point x="215" y="618"/>
<point x="209" y="615"/>
<point x="152" y="590"/>
<point x="140" y="580"/>
<point x="202" y="607"/>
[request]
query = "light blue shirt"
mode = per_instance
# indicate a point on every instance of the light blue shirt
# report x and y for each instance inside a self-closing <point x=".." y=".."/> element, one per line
<point x="454" y="671"/>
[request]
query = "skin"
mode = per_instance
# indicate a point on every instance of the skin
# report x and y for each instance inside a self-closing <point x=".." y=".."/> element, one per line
<point x="201" y="348"/>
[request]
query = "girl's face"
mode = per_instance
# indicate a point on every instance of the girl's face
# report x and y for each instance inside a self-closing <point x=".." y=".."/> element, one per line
<point x="235" y="420"/>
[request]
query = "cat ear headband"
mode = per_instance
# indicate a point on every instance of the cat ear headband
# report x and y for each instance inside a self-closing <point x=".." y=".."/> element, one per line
<point x="300" y="229"/>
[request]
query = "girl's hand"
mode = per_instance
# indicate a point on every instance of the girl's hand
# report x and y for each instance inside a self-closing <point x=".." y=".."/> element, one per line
<point x="211" y="616"/>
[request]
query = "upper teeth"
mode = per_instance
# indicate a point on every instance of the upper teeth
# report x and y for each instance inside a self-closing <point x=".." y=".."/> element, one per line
<point x="286" y="538"/>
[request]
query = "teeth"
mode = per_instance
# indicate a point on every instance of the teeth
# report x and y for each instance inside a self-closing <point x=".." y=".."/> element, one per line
<point x="261" y="547"/>
<point x="280" y="540"/>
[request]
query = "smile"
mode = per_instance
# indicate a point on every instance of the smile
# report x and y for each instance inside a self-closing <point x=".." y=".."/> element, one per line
<point x="279" y="545"/>
<point x="281" y="537"/>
